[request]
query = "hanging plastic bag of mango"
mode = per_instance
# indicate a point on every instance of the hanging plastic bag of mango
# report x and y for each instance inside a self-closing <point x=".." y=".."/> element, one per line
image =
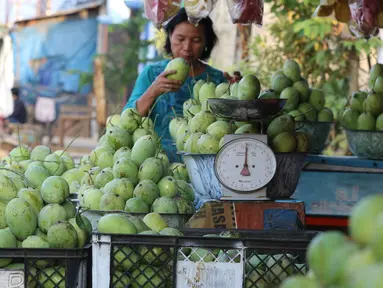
<point x="198" y="9"/>
<point x="366" y="18"/>
<point x="246" y="11"/>
<point x="161" y="12"/>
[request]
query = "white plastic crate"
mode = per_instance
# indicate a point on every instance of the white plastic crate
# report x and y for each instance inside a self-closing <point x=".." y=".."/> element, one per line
<point x="189" y="274"/>
<point x="227" y="262"/>
<point x="101" y="253"/>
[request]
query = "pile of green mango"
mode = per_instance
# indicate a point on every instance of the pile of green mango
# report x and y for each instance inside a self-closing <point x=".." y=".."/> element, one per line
<point x="198" y="130"/>
<point x="248" y="88"/>
<point x="303" y="103"/>
<point x="283" y="138"/>
<point x="365" y="109"/>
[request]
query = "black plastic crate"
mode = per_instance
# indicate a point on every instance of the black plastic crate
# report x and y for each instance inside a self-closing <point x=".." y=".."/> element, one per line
<point x="256" y="258"/>
<point x="51" y="268"/>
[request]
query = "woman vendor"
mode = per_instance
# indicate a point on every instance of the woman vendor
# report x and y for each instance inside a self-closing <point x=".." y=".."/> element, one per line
<point x="194" y="44"/>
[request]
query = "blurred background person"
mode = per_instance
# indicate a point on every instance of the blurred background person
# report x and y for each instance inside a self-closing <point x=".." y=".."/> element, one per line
<point x="19" y="114"/>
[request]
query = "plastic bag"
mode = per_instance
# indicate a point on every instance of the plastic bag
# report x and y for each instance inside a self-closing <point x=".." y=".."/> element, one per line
<point x="198" y="9"/>
<point x="342" y="11"/>
<point x="161" y="11"/>
<point x="339" y="9"/>
<point x="325" y="8"/>
<point x="364" y="17"/>
<point x="246" y="11"/>
<point x="379" y="20"/>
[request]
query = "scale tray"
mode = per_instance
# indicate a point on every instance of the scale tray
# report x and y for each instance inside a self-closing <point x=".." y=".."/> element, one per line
<point x="243" y="110"/>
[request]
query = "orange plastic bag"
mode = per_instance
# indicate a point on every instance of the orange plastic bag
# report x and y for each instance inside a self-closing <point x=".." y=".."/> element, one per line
<point x="161" y="11"/>
<point x="246" y="11"/>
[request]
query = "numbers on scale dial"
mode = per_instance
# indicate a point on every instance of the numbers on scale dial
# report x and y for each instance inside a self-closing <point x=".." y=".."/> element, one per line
<point x="241" y="173"/>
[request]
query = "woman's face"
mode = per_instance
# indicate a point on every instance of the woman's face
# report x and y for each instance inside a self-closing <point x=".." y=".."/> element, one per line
<point x="188" y="41"/>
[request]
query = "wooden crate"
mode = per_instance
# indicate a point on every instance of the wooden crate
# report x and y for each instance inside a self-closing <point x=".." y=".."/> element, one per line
<point x="74" y="120"/>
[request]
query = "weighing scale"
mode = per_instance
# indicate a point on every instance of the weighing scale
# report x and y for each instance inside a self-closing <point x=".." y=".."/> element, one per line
<point x="245" y="164"/>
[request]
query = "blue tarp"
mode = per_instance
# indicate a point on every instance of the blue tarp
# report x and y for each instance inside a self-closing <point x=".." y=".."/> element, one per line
<point x="47" y="52"/>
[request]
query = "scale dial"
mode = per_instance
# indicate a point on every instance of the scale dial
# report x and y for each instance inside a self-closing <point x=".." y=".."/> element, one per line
<point x="245" y="165"/>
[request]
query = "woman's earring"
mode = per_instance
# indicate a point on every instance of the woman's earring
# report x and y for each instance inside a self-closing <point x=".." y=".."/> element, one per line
<point x="205" y="48"/>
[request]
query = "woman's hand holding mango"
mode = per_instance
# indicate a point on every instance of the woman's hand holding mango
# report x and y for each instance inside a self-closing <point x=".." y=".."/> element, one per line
<point x="163" y="85"/>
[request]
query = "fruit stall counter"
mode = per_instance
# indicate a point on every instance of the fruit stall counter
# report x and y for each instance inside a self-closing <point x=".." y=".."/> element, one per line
<point x="331" y="186"/>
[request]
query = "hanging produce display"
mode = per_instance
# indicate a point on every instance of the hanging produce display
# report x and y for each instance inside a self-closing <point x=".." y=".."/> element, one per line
<point x="246" y="11"/>
<point x="198" y="9"/>
<point x="364" y="17"/>
<point x="160" y="12"/>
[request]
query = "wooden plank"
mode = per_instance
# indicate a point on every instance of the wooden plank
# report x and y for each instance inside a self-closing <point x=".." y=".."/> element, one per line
<point x="77" y="117"/>
<point x="71" y="109"/>
<point x="72" y="127"/>
<point x="99" y="91"/>
<point x="74" y="120"/>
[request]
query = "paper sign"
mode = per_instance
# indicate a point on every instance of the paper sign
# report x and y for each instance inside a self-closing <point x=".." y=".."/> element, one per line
<point x="212" y="275"/>
<point x="11" y="279"/>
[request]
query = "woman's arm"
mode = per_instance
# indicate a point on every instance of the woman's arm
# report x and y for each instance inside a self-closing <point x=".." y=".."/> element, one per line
<point x="143" y="82"/>
<point x="145" y="102"/>
<point x="146" y="91"/>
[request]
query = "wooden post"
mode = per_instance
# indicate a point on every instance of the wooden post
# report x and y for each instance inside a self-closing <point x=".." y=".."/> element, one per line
<point x="99" y="92"/>
<point x="244" y="37"/>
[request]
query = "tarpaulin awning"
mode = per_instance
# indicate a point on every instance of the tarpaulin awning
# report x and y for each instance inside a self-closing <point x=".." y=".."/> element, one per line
<point x="53" y="56"/>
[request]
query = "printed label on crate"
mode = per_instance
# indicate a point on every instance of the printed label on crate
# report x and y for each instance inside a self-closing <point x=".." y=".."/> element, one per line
<point x="11" y="279"/>
<point x="214" y="215"/>
<point x="212" y="275"/>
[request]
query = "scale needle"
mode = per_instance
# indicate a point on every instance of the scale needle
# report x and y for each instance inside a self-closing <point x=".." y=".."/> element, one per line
<point x="245" y="170"/>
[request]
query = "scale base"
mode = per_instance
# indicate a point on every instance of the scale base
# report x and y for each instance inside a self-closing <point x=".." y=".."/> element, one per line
<point x="259" y="195"/>
<point x="229" y="195"/>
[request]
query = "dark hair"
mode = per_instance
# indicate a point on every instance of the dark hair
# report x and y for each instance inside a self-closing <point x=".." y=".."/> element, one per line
<point x="210" y="36"/>
<point x="15" y="91"/>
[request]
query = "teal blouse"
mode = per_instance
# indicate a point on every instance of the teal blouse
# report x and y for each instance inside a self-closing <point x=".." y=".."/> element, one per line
<point x="168" y="100"/>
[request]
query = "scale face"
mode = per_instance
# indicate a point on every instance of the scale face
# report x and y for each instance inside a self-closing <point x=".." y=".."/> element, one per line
<point x="244" y="166"/>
